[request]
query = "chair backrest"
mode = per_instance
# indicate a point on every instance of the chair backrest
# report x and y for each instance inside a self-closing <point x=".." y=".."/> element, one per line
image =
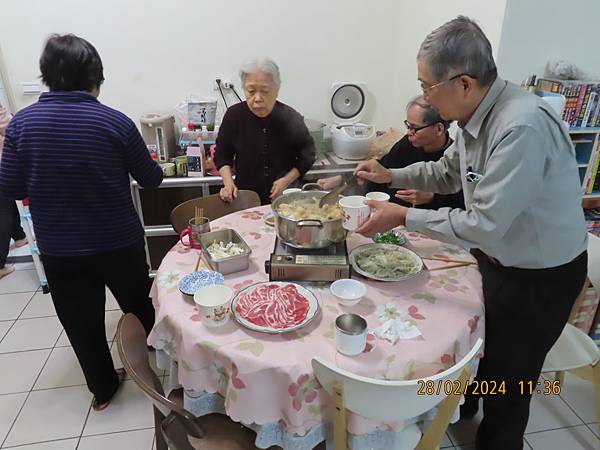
<point x="213" y="207"/>
<point x="388" y="400"/>
<point x="131" y="344"/>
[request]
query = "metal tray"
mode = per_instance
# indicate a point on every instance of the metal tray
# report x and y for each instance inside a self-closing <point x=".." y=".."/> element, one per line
<point x="361" y="248"/>
<point x="229" y="264"/>
<point x="312" y="312"/>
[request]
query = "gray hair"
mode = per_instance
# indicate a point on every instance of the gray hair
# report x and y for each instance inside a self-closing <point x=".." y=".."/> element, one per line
<point x="264" y="65"/>
<point x="459" y="47"/>
<point x="430" y="115"/>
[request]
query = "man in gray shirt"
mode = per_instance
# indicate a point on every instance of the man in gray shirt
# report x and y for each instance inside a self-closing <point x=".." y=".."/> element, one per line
<point x="523" y="219"/>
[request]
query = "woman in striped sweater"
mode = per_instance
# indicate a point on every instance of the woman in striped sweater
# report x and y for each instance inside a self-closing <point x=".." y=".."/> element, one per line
<point x="73" y="157"/>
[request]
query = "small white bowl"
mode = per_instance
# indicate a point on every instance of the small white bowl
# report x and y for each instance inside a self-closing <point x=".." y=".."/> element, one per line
<point x="291" y="191"/>
<point x="379" y="196"/>
<point x="348" y="292"/>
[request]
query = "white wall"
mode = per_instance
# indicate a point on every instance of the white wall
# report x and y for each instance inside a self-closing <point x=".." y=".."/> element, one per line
<point x="157" y="52"/>
<point x="535" y="32"/>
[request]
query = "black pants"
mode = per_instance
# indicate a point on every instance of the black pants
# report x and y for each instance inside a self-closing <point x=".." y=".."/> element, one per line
<point x="525" y="313"/>
<point x="10" y="227"/>
<point x="77" y="285"/>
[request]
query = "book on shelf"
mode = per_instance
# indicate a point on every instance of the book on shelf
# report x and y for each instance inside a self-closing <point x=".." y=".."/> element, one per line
<point x="582" y="106"/>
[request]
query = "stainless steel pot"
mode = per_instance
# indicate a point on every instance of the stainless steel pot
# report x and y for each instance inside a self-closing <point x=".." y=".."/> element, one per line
<point x="306" y="233"/>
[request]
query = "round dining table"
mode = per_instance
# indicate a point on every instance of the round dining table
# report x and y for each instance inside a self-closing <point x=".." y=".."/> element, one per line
<point x="266" y="382"/>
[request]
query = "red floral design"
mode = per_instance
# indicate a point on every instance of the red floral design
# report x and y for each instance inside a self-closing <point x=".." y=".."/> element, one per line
<point x="473" y="323"/>
<point x="304" y="390"/>
<point x="256" y="236"/>
<point x="252" y="215"/>
<point x="195" y="318"/>
<point x="448" y="359"/>
<point x="413" y="312"/>
<point x="235" y="380"/>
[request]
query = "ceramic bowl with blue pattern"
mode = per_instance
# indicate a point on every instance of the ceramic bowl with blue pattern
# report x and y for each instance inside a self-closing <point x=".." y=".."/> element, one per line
<point x="196" y="280"/>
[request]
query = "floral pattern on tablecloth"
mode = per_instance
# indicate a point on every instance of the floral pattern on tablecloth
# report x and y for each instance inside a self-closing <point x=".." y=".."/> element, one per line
<point x="268" y="379"/>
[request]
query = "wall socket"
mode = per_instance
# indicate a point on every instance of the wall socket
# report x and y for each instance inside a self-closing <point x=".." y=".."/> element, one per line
<point x="226" y="83"/>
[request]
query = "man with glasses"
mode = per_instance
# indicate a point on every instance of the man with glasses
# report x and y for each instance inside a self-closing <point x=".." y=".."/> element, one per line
<point x="523" y="220"/>
<point x="426" y="140"/>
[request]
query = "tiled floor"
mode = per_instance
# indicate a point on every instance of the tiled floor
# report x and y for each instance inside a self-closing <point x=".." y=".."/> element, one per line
<point x="45" y="405"/>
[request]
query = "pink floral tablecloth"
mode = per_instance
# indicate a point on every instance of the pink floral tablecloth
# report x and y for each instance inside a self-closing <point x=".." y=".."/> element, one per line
<point x="268" y="378"/>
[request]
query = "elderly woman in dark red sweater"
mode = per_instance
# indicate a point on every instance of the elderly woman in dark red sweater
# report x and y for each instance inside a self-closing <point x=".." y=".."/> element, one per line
<point x="265" y="139"/>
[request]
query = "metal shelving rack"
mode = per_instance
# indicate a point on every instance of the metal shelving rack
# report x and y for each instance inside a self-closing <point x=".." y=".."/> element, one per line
<point x="27" y="224"/>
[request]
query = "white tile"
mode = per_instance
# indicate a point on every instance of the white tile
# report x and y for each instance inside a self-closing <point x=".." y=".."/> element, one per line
<point x="130" y="409"/>
<point x="50" y="415"/>
<point x="575" y="438"/>
<point x="31" y="334"/>
<point x="111" y="303"/>
<point x="548" y="412"/>
<point x="62" y="369"/>
<point x="131" y="440"/>
<point x="63" y="444"/>
<point x="40" y="306"/>
<point x="11" y="305"/>
<point x="4" y="327"/>
<point x="446" y="442"/>
<point x="20" y="370"/>
<point x="595" y="427"/>
<point x="9" y="409"/>
<point x="464" y="431"/>
<point x="19" y="281"/>
<point x="579" y="395"/>
<point x="111" y="320"/>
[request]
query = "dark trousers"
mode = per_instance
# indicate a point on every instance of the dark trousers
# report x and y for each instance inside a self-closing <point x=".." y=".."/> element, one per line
<point x="77" y="285"/>
<point x="525" y="313"/>
<point x="10" y="227"/>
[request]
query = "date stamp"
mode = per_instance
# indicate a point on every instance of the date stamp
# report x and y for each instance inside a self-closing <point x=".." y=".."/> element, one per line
<point x="492" y="387"/>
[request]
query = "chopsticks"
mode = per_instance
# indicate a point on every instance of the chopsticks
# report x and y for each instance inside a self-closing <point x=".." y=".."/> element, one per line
<point x="451" y="266"/>
<point x="198" y="214"/>
<point x="449" y="260"/>
<point x="198" y="262"/>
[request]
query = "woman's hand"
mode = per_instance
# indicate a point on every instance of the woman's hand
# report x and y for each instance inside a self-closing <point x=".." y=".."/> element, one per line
<point x="414" y="197"/>
<point x="228" y="193"/>
<point x="327" y="184"/>
<point x="279" y="186"/>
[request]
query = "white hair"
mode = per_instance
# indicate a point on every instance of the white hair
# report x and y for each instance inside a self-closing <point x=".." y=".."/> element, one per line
<point x="264" y="65"/>
<point x="459" y="47"/>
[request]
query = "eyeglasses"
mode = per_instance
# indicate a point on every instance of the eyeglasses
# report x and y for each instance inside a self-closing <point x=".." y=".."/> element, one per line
<point x="427" y="89"/>
<point x="414" y="129"/>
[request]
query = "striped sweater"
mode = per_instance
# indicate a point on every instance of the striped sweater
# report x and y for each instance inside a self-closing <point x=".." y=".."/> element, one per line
<point x="72" y="157"/>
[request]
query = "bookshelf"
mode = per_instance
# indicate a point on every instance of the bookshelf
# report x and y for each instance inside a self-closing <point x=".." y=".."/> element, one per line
<point x="587" y="148"/>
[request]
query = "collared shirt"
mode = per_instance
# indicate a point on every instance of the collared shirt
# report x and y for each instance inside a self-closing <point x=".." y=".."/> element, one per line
<point x="523" y="196"/>
<point x="72" y="157"/>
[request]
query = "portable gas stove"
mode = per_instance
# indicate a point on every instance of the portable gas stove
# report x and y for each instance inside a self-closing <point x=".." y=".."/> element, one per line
<point x="301" y="264"/>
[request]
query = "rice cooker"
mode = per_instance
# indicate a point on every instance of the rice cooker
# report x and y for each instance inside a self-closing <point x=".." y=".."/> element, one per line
<point x="350" y="138"/>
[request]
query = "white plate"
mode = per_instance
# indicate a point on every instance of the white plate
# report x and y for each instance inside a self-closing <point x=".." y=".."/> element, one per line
<point x="361" y="248"/>
<point x="313" y="308"/>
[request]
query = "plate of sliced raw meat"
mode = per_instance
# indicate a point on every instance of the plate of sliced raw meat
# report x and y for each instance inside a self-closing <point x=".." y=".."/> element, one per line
<point x="275" y="307"/>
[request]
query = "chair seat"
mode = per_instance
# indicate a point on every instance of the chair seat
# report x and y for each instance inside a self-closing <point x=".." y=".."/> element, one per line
<point x="573" y="349"/>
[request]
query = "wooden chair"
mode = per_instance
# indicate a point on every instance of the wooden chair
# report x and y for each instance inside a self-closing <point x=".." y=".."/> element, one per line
<point x="575" y="351"/>
<point x="213" y="207"/>
<point x="175" y="427"/>
<point x="393" y="400"/>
